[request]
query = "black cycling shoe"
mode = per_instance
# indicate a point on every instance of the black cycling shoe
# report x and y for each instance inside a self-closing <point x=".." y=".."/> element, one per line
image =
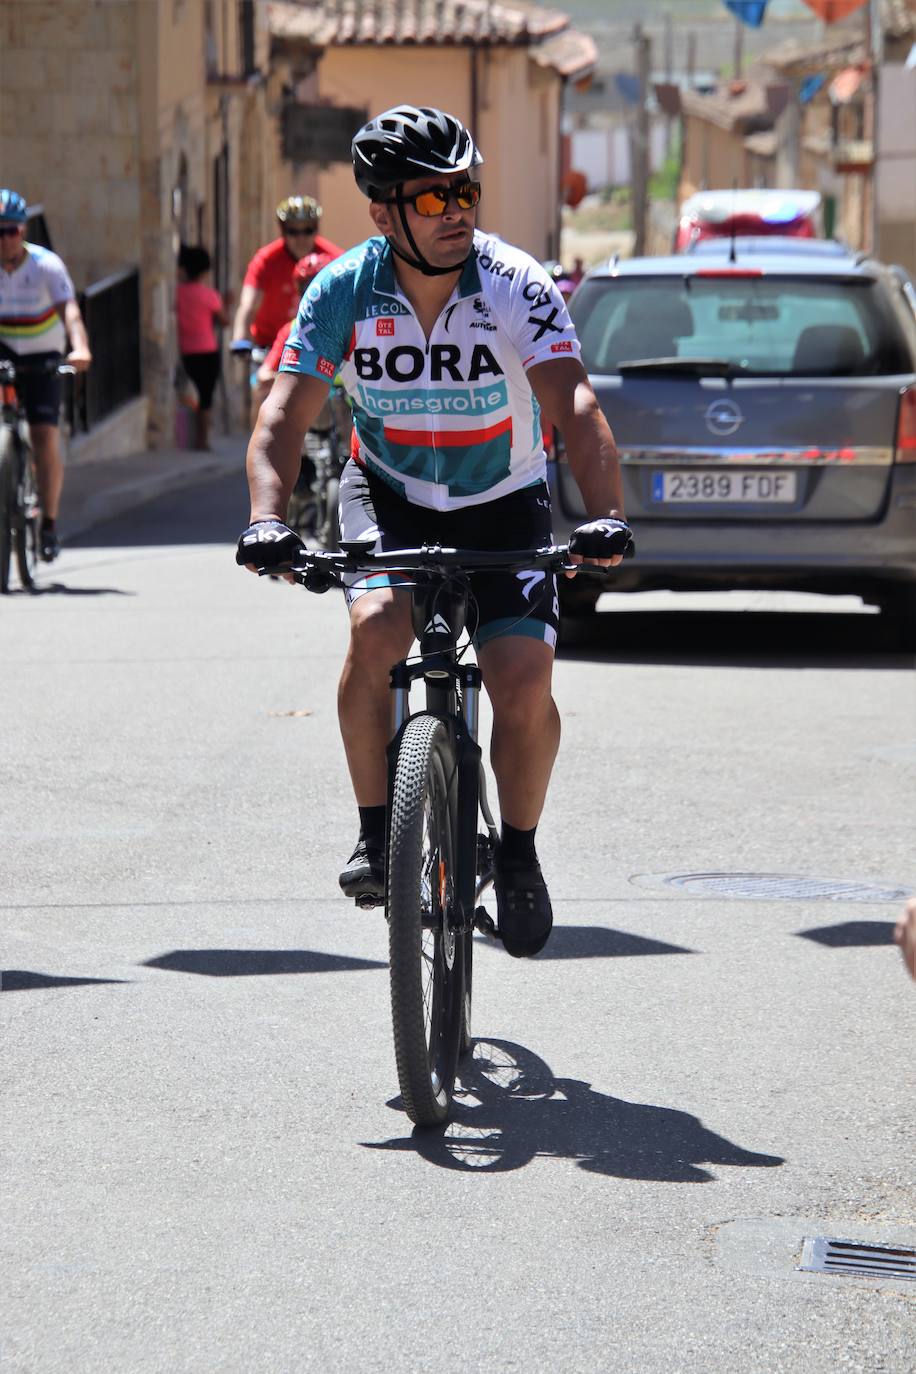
<point x="50" y="546"/>
<point x="364" y="875"/>
<point x="524" y="913"/>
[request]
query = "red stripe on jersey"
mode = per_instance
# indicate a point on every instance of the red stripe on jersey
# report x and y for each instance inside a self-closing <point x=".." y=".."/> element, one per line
<point x="449" y="438"/>
<point x="21" y="321"/>
<point x="351" y="345"/>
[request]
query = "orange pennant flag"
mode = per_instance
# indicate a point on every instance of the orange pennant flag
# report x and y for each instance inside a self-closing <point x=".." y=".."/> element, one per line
<point x="833" y="10"/>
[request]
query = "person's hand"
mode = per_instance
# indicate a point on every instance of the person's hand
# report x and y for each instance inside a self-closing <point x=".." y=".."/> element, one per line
<point x="905" y="936"/>
<point x="268" y="546"/>
<point x="605" y="542"/>
<point x="79" y="359"/>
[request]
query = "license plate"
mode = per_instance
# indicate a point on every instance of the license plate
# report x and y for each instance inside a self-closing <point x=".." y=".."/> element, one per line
<point x="736" y="488"/>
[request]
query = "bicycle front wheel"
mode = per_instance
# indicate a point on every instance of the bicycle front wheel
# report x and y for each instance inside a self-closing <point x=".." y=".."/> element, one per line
<point x="26" y="533"/>
<point x="426" y="954"/>
<point x="8" y="459"/>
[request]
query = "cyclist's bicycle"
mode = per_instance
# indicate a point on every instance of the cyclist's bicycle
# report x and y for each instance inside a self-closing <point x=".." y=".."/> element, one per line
<point x="20" y="512"/>
<point x="437" y="864"/>
<point x="315" y="499"/>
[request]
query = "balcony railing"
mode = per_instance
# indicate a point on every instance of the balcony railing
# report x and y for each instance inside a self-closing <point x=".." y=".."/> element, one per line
<point x="111" y="311"/>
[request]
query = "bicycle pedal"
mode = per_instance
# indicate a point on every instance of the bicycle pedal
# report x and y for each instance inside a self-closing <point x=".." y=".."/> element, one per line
<point x="484" y="922"/>
<point x="367" y="900"/>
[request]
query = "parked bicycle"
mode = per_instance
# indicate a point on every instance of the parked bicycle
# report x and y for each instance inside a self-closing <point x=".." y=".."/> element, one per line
<point x="437" y="863"/>
<point x="20" y="511"/>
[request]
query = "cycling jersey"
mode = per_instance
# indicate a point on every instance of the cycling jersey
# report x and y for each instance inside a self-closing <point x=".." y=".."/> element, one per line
<point x="271" y="271"/>
<point x="448" y="421"/>
<point x="29" y="297"/>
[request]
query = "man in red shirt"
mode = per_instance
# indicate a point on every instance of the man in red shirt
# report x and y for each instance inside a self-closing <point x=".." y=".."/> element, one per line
<point x="269" y="295"/>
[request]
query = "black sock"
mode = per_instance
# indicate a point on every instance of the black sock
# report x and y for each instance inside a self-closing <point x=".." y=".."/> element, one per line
<point x="372" y="825"/>
<point x="47" y="523"/>
<point x="517" y="846"/>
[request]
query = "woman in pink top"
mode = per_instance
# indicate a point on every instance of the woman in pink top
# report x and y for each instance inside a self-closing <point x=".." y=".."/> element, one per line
<point x="197" y="306"/>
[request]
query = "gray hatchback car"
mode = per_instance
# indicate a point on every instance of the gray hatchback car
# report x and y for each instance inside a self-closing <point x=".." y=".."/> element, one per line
<point x="764" y="405"/>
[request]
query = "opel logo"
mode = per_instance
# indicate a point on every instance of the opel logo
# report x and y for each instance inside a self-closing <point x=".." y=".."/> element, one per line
<point x="723" y="417"/>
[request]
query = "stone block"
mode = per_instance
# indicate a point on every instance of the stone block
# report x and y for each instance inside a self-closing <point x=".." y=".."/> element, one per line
<point x="84" y="111"/>
<point x="70" y="26"/>
<point x="122" y="26"/>
<point x="124" y="113"/>
<point x="22" y="70"/>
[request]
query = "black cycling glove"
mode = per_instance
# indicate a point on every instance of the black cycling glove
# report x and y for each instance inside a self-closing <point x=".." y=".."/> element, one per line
<point x="603" y="538"/>
<point x="270" y="545"/>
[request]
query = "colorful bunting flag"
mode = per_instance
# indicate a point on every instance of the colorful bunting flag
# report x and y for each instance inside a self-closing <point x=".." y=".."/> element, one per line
<point x="750" y="12"/>
<point x="831" y="11"/>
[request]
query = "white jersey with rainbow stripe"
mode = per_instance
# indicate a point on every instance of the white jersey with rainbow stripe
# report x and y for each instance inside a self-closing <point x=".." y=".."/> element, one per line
<point x="29" y="297"/>
<point x="448" y="421"/>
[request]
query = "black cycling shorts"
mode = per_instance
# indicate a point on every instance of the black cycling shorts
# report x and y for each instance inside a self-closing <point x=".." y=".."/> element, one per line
<point x="522" y="603"/>
<point x="38" y="391"/>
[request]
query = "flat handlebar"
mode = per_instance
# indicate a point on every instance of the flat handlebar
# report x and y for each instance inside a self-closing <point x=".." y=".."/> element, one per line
<point x="433" y="558"/>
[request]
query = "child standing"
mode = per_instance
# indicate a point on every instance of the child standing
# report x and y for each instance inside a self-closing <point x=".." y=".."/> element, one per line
<point x="197" y="306"/>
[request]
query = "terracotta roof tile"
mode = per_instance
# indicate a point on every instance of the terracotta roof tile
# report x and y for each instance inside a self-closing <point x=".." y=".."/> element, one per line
<point x="321" y="23"/>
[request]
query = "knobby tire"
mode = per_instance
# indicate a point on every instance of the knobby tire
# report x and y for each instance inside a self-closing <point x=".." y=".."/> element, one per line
<point x="8" y="463"/>
<point x="426" y="956"/>
<point x="26" y="533"/>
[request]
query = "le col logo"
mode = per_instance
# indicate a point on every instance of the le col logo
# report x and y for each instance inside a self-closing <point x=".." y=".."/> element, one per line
<point x="289" y="357"/>
<point x="384" y="327"/>
<point x="406" y="364"/>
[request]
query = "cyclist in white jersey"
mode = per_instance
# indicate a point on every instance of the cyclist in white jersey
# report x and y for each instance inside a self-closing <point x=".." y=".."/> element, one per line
<point x="38" y="309"/>
<point x="451" y="345"/>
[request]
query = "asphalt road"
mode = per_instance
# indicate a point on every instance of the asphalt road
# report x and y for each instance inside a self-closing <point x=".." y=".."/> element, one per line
<point x="205" y="1164"/>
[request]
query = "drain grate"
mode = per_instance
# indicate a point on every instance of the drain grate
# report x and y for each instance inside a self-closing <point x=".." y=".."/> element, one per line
<point x="782" y="887"/>
<point x="820" y="1255"/>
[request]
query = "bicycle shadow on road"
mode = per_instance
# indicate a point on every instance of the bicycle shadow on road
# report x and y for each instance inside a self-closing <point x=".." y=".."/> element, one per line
<point x="61" y="589"/>
<point x="509" y="1110"/>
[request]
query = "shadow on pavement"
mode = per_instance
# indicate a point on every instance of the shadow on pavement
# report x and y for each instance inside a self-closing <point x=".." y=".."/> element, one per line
<point x="751" y="638"/>
<point x="249" y="963"/>
<point x="20" y="980"/>
<point x="509" y="1109"/>
<point x="598" y="942"/>
<point x="61" y="589"/>
<point x="211" y="511"/>
<point x="849" y="934"/>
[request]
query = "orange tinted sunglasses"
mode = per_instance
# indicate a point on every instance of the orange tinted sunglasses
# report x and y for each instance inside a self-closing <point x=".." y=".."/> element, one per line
<point x="434" y="200"/>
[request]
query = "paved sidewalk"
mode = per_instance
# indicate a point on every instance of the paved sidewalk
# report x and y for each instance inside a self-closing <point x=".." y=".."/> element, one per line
<point x="100" y="491"/>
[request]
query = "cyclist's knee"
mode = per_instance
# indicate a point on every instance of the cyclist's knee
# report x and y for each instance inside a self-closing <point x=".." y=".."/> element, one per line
<point x="379" y="628"/>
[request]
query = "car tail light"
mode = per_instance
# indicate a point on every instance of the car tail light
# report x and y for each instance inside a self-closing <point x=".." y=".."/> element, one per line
<point x="906" y="426"/>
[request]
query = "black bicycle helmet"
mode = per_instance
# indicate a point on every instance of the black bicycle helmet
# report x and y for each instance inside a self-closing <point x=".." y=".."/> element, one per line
<point x="408" y="142"/>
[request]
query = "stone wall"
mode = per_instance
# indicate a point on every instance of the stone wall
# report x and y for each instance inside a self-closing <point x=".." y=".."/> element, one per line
<point x="69" y="125"/>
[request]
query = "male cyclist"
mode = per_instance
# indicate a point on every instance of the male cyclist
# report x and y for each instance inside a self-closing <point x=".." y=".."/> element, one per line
<point x="269" y="294"/>
<point x="38" y="310"/>
<point x="449" y="342"/>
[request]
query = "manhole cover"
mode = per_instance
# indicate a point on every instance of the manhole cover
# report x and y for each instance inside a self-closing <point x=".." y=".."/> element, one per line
<point x="777" y="887"/>
<point x="821" y="1255"/>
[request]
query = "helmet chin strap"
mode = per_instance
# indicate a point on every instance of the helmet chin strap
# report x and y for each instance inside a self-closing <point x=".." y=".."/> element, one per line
<point x="418" y="261"/>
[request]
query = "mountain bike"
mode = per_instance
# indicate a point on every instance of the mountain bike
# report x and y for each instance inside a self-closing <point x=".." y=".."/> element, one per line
<point x="20" y="512"/>
<point x="314" y="502"/>
<point x="437" y="863"/>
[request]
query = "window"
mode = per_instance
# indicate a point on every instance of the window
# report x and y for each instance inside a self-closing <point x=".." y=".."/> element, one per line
<point x="764" y="325"/>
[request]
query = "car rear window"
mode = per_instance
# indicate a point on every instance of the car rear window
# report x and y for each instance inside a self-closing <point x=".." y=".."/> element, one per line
<point x="766" y="325"/>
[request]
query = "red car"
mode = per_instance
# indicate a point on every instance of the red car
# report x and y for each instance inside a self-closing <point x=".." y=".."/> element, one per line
<point x="721" y="214"/>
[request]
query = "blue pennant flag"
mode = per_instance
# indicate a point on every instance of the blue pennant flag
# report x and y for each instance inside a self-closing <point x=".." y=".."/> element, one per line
<point x="750" y="12"/>
<point x="810" y="87"/>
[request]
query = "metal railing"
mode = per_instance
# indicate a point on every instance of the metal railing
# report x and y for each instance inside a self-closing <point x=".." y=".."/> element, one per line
<point x="111" y="311"/>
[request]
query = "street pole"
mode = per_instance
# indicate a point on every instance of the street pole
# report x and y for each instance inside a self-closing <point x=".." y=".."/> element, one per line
<point x="639" y="144"/>
<point x="739" y="50"/>
<point x="669" y="75"/>
<point x="875" y="49"/>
